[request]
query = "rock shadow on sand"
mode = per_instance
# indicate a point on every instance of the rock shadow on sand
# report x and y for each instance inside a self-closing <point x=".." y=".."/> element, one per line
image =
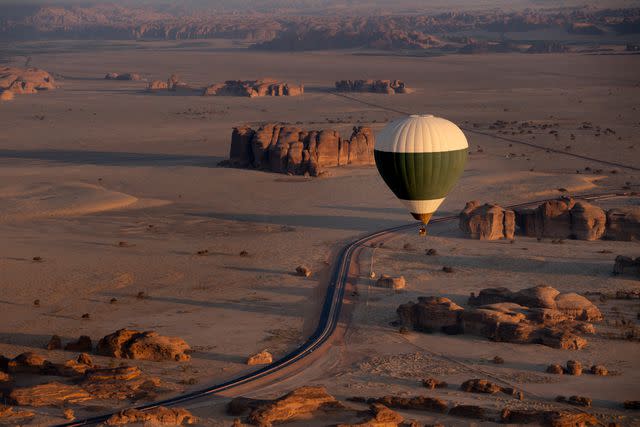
<point x="111" y="158"/>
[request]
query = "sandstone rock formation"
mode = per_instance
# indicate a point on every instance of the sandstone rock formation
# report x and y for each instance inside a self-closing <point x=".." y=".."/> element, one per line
<point x="420" y="403"/>
<point x="9" y="415"/>
<point x="121" y="383"/>
<point x="20" y="81"/>
<point x="157" y="85"/>
<point x="626" y="264"/>
<point x="432" y="383"/>
<point x="624" y="223"/>
<point x="534" y="315"/>
<point x="50" y="394"/>
<point x="431" y="314"/>
<point x="253" y="88"/>
<point x="156" y="416"/>
<point x="388" y="87"/>
<point x="288" y="149"/>
<point x="55" y="343"/>
<point x="379" y="416"/>
<point x="262" y="358"/>
<point x="547" y="418"/>
<point x="394" y="283"/>
<point x="129" y="344"/>
<point x="303" y="271"/>
<point x="487" y="222"/>
<point x="299" y="402"/>
<point x="123" y="76"/>
<point x="578" y="219"/>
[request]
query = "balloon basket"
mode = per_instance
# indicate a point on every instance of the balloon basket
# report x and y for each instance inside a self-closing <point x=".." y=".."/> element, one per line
<point x="422" y="231"/>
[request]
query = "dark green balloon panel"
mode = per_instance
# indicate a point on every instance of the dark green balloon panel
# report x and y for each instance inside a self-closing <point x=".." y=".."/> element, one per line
<point x="421" y="176"/>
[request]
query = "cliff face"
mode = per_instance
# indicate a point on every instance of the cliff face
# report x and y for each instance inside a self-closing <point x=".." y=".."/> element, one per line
<point x="288" y="149"/>
<point x="253" y="88"/>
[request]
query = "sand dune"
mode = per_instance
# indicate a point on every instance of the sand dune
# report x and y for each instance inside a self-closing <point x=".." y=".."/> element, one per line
<point x="42" y="200"/>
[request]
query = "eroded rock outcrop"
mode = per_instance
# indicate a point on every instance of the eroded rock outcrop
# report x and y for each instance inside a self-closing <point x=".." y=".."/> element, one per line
<point x="395" y="283"/>
<point x="130" y="344"/>
<point x="291" y="150"/>
<point x="157" y="85"/>
<point x="379" y="416"/>
<point x="624" y="264"/>
<point x="547" y="418"/>
<point x="262" y="358"/>
<point x="156" y="416"/>
<point x="22" y="81"/>
<point x="50" y="394"/>
<point x="487" y="222"/>
<point x="299" y="402"/>
<point x="577" y="219"/>
<point x="623" y="223"/>
<point x="539" y="314"/>
<point x="123" y="76"/>
<point x="431" y="314"/>
<point x="253" y="88"/>
<point x="388" y="87"/>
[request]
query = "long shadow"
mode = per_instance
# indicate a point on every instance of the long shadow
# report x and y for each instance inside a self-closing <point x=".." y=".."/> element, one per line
<point x="111" y="158"/>
<point x="229" y="358"/>
<point x="551" y="265"/>
<point x="29" y="340"/>
<point x="263" y="307"/>
<point x="365" y="209"/>
<point x="319" y="221"/>
<point x="261" y="270"/>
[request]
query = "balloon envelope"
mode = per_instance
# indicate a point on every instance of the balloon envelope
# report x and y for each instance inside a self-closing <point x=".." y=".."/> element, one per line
<point x="420" y="158"/>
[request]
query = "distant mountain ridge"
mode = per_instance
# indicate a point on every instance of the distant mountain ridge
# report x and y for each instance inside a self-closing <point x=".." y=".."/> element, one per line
<point x="283" y="31"/>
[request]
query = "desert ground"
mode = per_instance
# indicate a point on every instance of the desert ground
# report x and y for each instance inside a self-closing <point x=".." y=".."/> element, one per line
<point x="116" y="190"/>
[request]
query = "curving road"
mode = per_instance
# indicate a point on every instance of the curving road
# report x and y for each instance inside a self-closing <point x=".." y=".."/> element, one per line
<point x="329" y="318"/>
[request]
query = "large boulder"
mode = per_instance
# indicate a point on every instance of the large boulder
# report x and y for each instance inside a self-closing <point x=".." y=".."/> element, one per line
<point x="487" y="222"/>
<point x="431" y="314"/>
<point x="157" y="85"/>
<point x="395" y="283"/>
<point x="623" y="223"/>
<point x="130" y="344"/>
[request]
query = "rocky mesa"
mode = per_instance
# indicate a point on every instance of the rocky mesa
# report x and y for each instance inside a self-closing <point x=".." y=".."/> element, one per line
<point x="291" y="150"/>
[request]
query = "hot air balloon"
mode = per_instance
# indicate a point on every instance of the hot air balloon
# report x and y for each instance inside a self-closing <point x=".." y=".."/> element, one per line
<point x="420" y="158"/>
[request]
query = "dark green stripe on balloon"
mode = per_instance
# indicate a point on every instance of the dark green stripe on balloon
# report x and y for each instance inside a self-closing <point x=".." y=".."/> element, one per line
<point x="421" y="176"/>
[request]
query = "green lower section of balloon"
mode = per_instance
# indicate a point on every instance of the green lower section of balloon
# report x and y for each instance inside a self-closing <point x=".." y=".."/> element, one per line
<point x="421" y="176"/>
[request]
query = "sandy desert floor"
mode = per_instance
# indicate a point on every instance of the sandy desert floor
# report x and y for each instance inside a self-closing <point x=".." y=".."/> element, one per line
<point x="98" y="162"/>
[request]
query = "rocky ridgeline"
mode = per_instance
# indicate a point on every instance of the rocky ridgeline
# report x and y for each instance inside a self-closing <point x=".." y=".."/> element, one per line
<point x="389" y="87"/>
<point x="539" y="315"/>
<point x="288" y="149"/>
<point x="253" y="88"/>
<point x="565" y="218"/>
<point x="23" y="81"/>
